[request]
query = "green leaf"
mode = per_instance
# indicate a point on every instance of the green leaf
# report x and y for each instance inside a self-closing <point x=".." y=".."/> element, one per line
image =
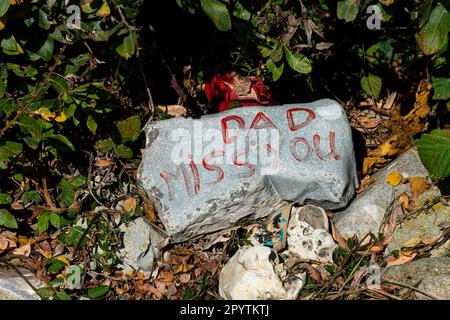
<point x="130" y="128"/>
<point x="91" y="124"/>
<point x="441" y="88"/>
<point x="69" y="188"/>
<point x="124" y="152"/>
<point x="59" y="84"/>
<point x="240" y="12"/>
<point x="43" y="221"/>
<point x="54" y="265"/>
<point x="74" y="236"/>
<point x="43" y="20"/>
<point x="5" y="198"/>
<point x="7" y="219"/>
<point x="371" y="85"/>
<point x="62" y="296"/>
<point x="185" y="5"/>
<point x="3" y="81"/>
<point x="298" y="61"/>
<point x="275" y="70"/>
<point x="347" y="10"/>
<point x="433" y="36"/>
<point x="4" y="6"/>
<point x="98" y="292"/>
<point x="45" y="293"/>
<point x="46" y="51"/>
<point x="62" y="139"/>
<point x="128" y="47"/>
<point x="55" y="220"/>
<point x="217" y="11"/>
<point x="22" y="71"/>
<point x="104" y="145"/>
<point x="434" y="151"/>
<point x="30" y="196"/>
<point x="10" y="149"/>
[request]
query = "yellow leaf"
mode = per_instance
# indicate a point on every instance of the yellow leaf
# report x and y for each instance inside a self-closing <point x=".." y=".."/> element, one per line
<point x="19" y="48"/>
<point x="418" y="185"/>
<point x="12" y="2"/>
<point x="45" y="113"/>
<point x="2" y="23"/>
<point x="129" y="205"/>
<point x="104" y="10"/>
<point x="64" y="260"/>
<point x="370" y="162"/>
<point x="61" y="118"/>
<point x="394" y="179"/>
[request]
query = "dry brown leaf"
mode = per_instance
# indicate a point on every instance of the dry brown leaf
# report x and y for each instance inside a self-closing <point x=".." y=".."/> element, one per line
<point x="370" y="162"/>
<point x="404" y="257"/>
<point x="376" y="248"/>
<point x="429" y="240"/>
<point x="6" y="243"/>
<point x="185" y="278"/>
<point x="418" y="185"/>
<point x="184" y="267"/>
<point x="394" y="178"/>
<point x="104" y="163"/>
<point x="174" y="110"/>
<point x="166" y="276"/>
<point x="403" y="199"/>
<point x="412" y="242"/>
<point x="129" y="205"/>
<point x="24" y="250"/>
<point x="357" y="276"/>
<point x="337" y="236"/>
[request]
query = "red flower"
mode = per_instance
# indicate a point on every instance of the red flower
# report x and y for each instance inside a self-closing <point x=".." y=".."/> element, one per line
<point x="222" y="90"/>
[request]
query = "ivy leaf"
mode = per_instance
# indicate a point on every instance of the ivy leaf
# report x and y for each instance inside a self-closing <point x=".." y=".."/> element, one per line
<point x="4" y="6"/>
<point x="129" y="128"/>
<point x="217" y="11"/>
<point x="124" y="152"/>
<point x="298" y="61"/>
<point x="441" y="87"/>
<point x="434" y="151"/>
<point x="5" y="198"/>
<point x="433" y="36"/>
<point x="371" y="85"/>
<point x="347" y="10"/>
<point x="7" y="219"/>
<point x="275" y="70"/>
<point x="98" y="292"/>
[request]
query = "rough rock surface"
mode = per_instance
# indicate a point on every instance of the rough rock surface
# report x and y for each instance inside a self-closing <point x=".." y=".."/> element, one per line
<point x="365" y="213"/>
<point x="137" y="253"/>
<point x="307" y="235"/>
<point x="206" y="174"/>
<point x="251" y="275"/>
<point x="14" y="287"/>
<point x="423" y="225"/>
<point x="433" y="273"/>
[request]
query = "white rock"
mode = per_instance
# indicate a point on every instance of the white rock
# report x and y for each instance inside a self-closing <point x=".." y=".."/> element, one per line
<point x="137" y="253"/>
<point x="14" y="287"/>
<point x="250" y="275"/>
<point x="366" y="212"/>
<point x="307" y="235"/>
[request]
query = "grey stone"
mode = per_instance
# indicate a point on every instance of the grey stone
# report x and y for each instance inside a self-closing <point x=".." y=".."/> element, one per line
<point x="14" y="287"/>
<point x="437" y="286"/>
<point x="308" y="237"/>
<point x="366" y="212"/>
<point x="310" y="160"/>
<point x="427" y="271"/>
<point x="137" y="253"/>
<point x="423" y="225"/>
<point x="252" y="274"/>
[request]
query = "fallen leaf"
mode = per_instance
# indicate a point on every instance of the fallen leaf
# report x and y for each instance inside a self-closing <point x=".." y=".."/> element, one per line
<point x="357" y="276"/>
<point x="104" y="163"/>
<point x="404" y="257"/>
<point x="129" y="205"/>
<point x="376" y="248"/>
<point x="337" y="236"/>
<point x="403" y="199"/>
<point x="6" y="243"/>
<point x="166" y="276"/>
<point x="429" y="240"/>
<point x="370" y="162"/>
<point x="64" y="260"/>
<point x="394" y="178"/>
<point x="418" y="185"/>
<point x="185" y="278"/>
<point x="412" y="242"/>
<point x="184" y="267"/>
<point x="174" y="110"/>
<point x="24" y="250"/>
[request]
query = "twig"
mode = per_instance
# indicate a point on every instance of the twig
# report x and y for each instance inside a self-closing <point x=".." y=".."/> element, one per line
<point x="412" y="288"/>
